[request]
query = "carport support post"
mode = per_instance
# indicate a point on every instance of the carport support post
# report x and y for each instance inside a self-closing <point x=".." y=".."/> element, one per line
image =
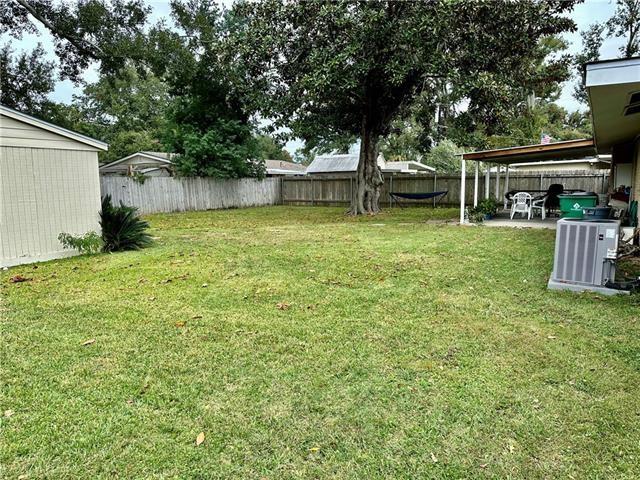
<point x="463" y="178"/>
<point x="475" y="185"/>
<point x="487" y="181"/>
<point x="506" y="188"/>
<point x="497" y="181"/>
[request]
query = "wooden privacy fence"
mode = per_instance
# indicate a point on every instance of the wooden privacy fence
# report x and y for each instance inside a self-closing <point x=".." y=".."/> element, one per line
<point x="167" y="194"/>
<point x="320" y="190"/>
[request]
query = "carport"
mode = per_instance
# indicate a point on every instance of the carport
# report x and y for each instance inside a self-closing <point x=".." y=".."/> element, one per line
<point x="503" y="157"/>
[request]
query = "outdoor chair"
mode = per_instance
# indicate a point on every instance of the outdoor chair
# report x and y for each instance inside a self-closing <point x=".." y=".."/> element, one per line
<point x="521" y="203"/>
<point x="540" y="204"/>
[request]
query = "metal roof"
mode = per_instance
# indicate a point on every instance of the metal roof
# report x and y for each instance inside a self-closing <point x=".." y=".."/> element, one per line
<point x="567" y="150"/>
<point x="333" y="163"/>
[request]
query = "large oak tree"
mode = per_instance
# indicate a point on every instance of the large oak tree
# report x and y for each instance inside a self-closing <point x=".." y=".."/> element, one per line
<point x="330" y="69"/>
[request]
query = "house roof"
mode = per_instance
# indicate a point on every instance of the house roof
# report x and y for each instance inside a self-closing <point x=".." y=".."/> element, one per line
<point x="407" y="167"/>
<point x="281" y="165"/>
<point x="559" y="151"/>
<point x="333" y="164"/>
<point x="614" y="98"/>
<point x="36" y="122"/>
<point x="159" y="157"/>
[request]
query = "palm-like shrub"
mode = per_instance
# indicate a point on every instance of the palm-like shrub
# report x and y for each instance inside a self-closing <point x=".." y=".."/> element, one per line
<point x="122" y="228"/>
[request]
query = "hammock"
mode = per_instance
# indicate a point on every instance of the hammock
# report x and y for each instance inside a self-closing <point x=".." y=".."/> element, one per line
<point x="417" y="196"/>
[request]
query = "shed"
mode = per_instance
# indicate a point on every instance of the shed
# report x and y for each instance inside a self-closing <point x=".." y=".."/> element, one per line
<point x="48" y="185"/>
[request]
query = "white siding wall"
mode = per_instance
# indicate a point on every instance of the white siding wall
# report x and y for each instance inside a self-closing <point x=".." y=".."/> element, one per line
<point x="19" y="134"/>
<point x="44" y="192"/>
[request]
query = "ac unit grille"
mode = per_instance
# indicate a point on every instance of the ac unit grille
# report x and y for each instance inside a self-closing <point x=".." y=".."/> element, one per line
<point x="575" y="260"/>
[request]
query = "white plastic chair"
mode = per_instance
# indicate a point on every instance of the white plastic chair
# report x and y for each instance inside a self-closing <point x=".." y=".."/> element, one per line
<point x="540" y="205"/>
<point x="521" y="203"/>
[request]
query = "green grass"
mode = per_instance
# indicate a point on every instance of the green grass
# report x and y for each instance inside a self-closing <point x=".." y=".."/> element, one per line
<point x="409" y="349"/>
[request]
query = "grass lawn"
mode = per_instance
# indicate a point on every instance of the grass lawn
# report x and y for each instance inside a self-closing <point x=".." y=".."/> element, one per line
<point x="305" y="344"/>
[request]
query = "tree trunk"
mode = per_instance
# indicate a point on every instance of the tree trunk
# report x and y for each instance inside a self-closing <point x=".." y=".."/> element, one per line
<point x="369" y="179"/>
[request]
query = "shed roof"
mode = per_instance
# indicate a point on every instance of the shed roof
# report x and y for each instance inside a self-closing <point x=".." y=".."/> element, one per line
<point x="36" y="122"/>
<point x="567" y="150"/>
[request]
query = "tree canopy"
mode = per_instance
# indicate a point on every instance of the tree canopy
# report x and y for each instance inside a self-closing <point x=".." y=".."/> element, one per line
<point x="332" y="69"/>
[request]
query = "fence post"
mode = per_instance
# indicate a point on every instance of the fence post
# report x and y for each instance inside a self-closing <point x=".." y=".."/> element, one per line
<point x="312" y="191"/>
<point x="435" y="189"/>
<point x="282" y="190"/>
<point x="351" y="190"/>
<point x="541" y="177"/>
<point x="390" y="188"/>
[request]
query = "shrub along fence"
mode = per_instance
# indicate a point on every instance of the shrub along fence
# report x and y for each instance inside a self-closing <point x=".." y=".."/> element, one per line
<point x="167" y="194"/>
<point x="337" y="190"/>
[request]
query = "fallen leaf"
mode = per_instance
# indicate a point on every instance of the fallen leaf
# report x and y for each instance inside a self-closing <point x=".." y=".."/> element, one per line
<point x="195" y="317"/>
<point x="551" y="337"/>
<point x="18" y="279"/>
<point x="89" y="342"/>
<point x="434" y="459"/>
<point x="8" y="413"/>
<point x="283" y="305"/>
<point x="484" y="465"/>
<point x="314" y="449"/>
<point x="205" y="285"/>
<point x="199" y="439"/>
<point x="181" y="323"/>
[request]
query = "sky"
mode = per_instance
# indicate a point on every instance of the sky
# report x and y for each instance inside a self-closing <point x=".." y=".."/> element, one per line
<point x="584" y="14"/>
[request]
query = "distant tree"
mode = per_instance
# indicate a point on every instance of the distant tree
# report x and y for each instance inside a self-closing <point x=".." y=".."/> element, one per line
<point x="592" y="39"/>
<point x="84" y="31"/>
<point x="444" y="157"/>
<point x="207" y="123"/>
<point x="625" y="23"/>
<point x="270" y="150"/>
<point x="26" y="80"/>
<point x="336" y="68"/>
<point x="127" y="110"/>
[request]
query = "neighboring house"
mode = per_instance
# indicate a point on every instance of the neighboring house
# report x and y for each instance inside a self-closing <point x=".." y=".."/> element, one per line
<point x="347" y="164"/>
<point x="149" y="164"/>
<point x="587" y="164"/>
<point x="281" y="167"/>
<point x="48" y="185"/>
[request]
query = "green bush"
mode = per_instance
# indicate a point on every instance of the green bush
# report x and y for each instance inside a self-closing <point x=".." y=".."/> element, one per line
<point x="89" y="243"/>
<point x="122" y="228"/>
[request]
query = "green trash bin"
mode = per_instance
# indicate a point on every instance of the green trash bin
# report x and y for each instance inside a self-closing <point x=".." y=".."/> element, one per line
<point x="571" y="204"/>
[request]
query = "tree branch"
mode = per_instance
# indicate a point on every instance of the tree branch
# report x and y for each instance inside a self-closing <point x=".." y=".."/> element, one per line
<point x="78" y="43"/>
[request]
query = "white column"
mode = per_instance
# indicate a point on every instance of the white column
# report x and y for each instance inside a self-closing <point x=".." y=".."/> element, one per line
<point x="463" y="179"/>
<point x="498" y="182"/>
<point x="506" y="188"/>
<point x="487" y="181"/>
<point x="475" y="185"/>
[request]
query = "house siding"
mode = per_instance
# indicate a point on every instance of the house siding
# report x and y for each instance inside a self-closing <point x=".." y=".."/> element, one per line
<point x="14" y="133"/>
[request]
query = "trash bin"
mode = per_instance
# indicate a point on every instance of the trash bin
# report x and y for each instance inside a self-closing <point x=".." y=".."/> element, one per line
<point x="571" y="204"/>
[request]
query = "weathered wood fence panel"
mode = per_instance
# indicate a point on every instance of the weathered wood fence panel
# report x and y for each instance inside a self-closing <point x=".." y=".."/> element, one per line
<point x="166" y="194"/>
<point x="334" y="190"/>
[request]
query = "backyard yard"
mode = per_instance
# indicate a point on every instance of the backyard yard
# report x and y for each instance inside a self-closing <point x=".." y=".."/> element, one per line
<point x="307" y="344"/>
